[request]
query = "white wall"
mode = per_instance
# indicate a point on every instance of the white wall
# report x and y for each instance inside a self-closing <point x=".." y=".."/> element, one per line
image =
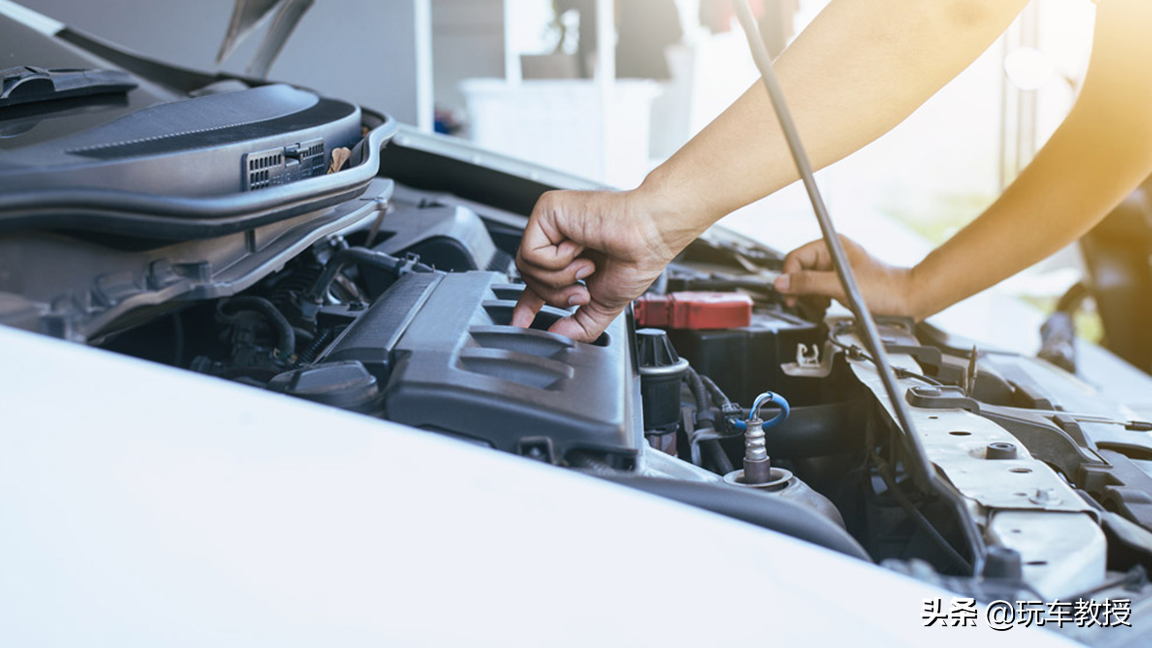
<point x="467" y="42"/>
<point x="360" y="50"/>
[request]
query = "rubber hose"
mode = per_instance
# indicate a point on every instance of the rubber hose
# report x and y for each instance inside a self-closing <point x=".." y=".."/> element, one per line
<point x="704" y="417"/>
<point x="287" y="335"/>
<point x="706" y="421"/>
<point x="718" y="395"/>
<point x="358" y="256"/>
<point x="715" y="453"/>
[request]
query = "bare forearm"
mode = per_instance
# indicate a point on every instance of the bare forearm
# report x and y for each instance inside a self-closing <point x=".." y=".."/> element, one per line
<point x="1100" y="153"/>
<point x="857" y="71"/>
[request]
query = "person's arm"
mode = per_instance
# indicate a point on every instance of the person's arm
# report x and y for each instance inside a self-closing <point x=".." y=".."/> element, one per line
<point x="859" y="69"/>
<point x="1101" y="152"/>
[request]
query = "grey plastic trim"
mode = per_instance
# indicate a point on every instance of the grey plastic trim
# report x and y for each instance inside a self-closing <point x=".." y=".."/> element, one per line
<point x="38" y="208"/>
<point x="110" y="284"/>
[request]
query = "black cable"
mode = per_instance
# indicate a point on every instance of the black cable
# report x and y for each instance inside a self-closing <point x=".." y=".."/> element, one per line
<point x="287" y="342"/>
<point x="717" y="457"/>
<point x="1131" y="580"/>
<point x="363" y="257"/>
<point x="922" y="470"/>
<point x="706" y="425"/>
<point x="704" y="417"/>
<point x="854" y="351"/>
<point x="718" y="396"/>
<point x="885" y="470"/>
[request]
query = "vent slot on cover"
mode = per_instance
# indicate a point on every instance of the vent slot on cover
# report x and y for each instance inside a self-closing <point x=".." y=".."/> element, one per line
<point x="284" y="165"/>
<point x="520" y="368"/>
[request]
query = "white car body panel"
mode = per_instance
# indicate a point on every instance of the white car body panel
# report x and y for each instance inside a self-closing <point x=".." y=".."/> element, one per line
<point x="143" y="505"/>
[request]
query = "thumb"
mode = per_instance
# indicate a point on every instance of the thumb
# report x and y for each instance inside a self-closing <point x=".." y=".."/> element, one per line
<point x="809" y="282"/>
<point x="587" y="323"/>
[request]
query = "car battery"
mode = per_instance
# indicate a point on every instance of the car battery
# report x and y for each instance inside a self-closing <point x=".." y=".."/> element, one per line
<point x="745" y="361"/>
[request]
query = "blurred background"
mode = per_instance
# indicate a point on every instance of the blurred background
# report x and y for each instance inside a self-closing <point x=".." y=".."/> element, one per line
<point x="608" y="89"/>
<point x="901" y="196"/>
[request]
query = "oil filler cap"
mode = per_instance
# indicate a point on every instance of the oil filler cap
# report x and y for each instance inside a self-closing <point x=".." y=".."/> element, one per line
<point x="347" y="385"/>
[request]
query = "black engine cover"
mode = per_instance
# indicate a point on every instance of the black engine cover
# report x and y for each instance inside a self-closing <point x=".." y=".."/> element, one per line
<point x="443" y="347"/>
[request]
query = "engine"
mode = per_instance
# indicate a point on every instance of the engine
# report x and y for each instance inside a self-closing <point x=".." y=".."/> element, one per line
<point x="436" y="351"/>
<point x="203" y="224"/>
<point x="710" y="391"/>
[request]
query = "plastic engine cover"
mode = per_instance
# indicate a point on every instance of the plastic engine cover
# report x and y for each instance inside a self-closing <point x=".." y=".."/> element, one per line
<point x="450" y="362"/>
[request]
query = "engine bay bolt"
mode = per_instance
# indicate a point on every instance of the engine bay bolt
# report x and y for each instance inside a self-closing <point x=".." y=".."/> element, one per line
<point x="1044" y="497"/>
<point x="1000" y="450"/>
<point x="757" y="465"/>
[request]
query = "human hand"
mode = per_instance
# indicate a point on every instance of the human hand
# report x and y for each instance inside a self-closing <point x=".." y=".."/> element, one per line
<point x="615" y="241"/>
<point x="809" y="275"/>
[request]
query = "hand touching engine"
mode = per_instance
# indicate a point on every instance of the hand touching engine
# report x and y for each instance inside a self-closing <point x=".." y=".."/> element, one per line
<point x="611" y="240"/>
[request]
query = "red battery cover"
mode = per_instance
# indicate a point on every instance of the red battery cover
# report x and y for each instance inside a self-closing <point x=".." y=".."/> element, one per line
<point x="694" y="310"/>
<point x="651" y="310"/>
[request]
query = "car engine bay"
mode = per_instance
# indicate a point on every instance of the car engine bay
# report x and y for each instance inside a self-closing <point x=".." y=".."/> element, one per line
<point x="418" y="335"/>
<point x="391" y="296"/>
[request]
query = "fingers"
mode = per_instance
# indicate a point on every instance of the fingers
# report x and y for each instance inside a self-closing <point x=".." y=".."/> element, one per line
<point x="549" y="261"/>
<point x="810" y="256"/>
<point x="544" y="246"/>
<point x="557" y="287"/>
<point x="808" y="272"/>
<point x="820" y="283"/>
<point x="571" y="295"/>
<point x="564" y="244"/>
<point x="817" y="283"/>
<point x="530" y="303"/>
<point x="561" y="288"/>
<point x="526" y="308"/>
<point x="541" y="254"/>
<point x="587" y="323"/>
